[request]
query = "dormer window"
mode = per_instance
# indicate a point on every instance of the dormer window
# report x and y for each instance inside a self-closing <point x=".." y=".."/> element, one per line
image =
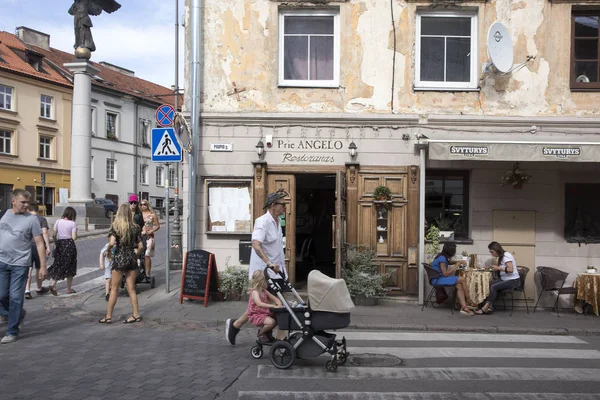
<point x="35" y="60"/>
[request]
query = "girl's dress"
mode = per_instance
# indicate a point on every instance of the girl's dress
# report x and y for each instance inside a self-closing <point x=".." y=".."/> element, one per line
<point x="256" y="314"/>
<point x="149" y="226"/>
<point x="124" y="258"/>
<point x="443" y="280"/>
<point x="65" y="254"/>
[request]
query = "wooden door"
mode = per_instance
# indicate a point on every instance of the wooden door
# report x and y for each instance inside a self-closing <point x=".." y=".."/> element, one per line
<point x="287" y="183"/>
<point x="515" y="231"/>
<point x="339" y="222"/>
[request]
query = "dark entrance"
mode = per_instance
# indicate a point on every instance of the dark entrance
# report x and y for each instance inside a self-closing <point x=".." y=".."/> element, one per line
<point x="315" y="206"/>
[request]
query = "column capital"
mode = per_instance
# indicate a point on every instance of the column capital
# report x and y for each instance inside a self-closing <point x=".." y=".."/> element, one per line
<point x="82" y="67"/>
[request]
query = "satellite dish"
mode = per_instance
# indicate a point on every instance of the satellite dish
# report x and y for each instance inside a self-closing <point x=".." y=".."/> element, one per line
<point x="582" y="78"/>
<point x="500" y="47"/>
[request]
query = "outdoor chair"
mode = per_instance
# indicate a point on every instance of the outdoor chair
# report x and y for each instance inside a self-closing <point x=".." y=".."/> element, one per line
<point x="433" y="276"/>
<point x="523" y="271"/>
<point x="553" y="280"/>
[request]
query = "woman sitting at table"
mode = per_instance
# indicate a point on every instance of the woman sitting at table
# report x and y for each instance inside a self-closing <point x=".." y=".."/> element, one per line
<point x="509" y="275"/>
<point x="441" y="263"/>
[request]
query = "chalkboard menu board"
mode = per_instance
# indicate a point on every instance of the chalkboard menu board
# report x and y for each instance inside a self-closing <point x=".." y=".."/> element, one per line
<point x="200" y="278"/>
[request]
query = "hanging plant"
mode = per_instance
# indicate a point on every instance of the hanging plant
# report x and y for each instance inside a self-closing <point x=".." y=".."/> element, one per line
<point x="515" y="177"/>
<point x="382" y="193"/>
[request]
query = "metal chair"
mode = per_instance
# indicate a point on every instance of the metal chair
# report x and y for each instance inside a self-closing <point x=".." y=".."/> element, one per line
<point x="523" y="271"/>
<point x="433" y="276"/>
<point x="553" y="280"/>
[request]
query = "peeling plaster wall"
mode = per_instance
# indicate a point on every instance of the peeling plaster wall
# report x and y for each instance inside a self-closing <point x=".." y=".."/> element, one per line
<point x="240" y="44"/>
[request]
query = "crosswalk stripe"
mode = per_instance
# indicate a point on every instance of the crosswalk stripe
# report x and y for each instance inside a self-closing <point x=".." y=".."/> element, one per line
<point x="475" y="352"/>
<point x="458" y="337"/>
<point x="285" y="395"/>
<point x="438" y="374"/>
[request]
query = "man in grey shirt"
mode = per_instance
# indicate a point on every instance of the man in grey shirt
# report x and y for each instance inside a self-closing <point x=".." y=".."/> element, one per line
<point x="18" y="228"/>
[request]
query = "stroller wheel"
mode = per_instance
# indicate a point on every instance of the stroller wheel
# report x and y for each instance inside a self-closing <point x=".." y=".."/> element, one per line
<point x="331" y="366"/>
<point x="342" y="358"/>
<point x="256" y="352"/>
<point x="152" y="282"/>
<point x="282" y="354"/>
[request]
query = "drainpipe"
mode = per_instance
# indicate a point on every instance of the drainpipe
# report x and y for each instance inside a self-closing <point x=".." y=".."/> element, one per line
<point x="195" y="121"/>
<point x="422" y="146"/>
<point x="135" y="147"/>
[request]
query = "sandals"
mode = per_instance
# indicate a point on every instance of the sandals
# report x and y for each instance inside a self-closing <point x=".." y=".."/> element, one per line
<point x="71" y="292"/>
<point x="53" y="291"/>
<point x="105" y="320"/>
<point x="467" y="312"/>
<point x="43" y="290"/>
<point x="480" y="311"/>
<point x="132" y="320"/>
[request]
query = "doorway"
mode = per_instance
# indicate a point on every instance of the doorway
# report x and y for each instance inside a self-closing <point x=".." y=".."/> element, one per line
<point x="315" y="208"/>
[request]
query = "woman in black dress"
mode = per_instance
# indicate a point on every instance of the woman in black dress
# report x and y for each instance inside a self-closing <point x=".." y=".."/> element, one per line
<point x="125" y="235"/>
<point x="65" y="253"/>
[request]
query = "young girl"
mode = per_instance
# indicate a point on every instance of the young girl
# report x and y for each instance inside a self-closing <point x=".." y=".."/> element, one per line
<point x="106" y="265"/>
<point x="258" y="307"/>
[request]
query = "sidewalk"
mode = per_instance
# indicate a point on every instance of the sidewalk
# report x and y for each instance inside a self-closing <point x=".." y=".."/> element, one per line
<point x="164" y="308"/>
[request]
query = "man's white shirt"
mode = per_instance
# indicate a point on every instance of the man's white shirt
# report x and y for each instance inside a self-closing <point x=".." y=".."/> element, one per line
<point x="267" y="230"/>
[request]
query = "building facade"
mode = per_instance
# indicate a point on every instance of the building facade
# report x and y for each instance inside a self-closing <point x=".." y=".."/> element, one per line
<point x="35" y="124"/>
<point x="409" y="88"/>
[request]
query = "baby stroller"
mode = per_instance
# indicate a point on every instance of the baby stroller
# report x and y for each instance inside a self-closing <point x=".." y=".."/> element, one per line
<point x="328" y="307"/>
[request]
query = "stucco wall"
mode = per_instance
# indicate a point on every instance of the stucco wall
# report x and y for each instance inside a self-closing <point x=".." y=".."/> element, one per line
<point x="240" y="44"/>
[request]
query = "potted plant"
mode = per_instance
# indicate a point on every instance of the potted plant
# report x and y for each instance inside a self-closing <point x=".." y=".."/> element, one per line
<point x="515" y="177"/>
<point x="446" y="227"/>
<point x="465" y="256"/>
<point x="234" y="282"/>
<point x="382" y="193"/>
<point x="362" y="277"/>
<point x="433" y="242"/>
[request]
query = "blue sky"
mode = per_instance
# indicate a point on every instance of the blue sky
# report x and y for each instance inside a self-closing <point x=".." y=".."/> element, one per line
<point x="140" y="36"/>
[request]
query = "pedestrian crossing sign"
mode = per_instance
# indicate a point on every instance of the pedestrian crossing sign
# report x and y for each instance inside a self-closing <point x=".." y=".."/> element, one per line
<point x="165" y="146"/>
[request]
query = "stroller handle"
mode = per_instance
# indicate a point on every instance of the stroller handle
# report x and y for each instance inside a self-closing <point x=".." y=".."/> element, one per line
<point x="267" y="277"/>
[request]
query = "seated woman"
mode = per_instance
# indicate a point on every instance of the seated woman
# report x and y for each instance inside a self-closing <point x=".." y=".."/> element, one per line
<point x="509" y="276"/>
<point x="441" y="263"/>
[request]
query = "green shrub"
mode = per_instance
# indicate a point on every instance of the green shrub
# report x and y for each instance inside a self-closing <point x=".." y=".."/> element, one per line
<point x="361" y="275"/>
<point x="234" y="280"/>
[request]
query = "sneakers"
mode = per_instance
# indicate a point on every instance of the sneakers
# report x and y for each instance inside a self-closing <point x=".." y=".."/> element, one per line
<point x="230" y="332"/>
<point x="9" y="339"/>
<point x="28" y="295"/>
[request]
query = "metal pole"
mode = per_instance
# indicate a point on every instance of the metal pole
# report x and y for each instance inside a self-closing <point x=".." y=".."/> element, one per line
<point x="176" y="235"/>
<point x="420" y="281"/>
<point x="167" y="225"/>
<point x="195" y="121"/>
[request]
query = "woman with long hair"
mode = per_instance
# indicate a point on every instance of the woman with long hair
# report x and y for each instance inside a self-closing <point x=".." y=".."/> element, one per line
<point x="65" y="252"/>
<point x="509" y="275"/>
<point x="151" y="225"/>
<point x="125" y="235"/>
<point x="441" y="263"/>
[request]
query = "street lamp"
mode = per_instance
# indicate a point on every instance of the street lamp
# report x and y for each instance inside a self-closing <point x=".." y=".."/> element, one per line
<point x="352" y="150"/>
<point x="260" y="149"/>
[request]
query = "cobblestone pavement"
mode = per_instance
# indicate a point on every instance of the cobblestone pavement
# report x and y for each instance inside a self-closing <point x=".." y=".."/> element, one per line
<point x="71" y="356"/>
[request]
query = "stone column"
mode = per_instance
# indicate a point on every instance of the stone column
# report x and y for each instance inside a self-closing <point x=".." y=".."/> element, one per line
<point x="81" y="135"/>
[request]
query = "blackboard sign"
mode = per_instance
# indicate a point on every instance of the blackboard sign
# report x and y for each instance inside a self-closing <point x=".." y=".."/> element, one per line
<point x="200" y="278"/>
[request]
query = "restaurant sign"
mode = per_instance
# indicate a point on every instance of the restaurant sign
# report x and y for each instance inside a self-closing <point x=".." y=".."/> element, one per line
<point x="469" y="151"/>
<point x="561" y="152"/>
<point x="303" y="151"/>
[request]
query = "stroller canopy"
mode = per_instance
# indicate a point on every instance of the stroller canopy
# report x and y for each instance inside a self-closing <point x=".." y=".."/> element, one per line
<point x="328" y="294"/>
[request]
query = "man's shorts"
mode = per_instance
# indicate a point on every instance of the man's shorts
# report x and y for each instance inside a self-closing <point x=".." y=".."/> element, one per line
<point x="35" y="257"/>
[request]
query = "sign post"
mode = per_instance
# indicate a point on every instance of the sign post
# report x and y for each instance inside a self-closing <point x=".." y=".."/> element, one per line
<point x="165" y="149"/>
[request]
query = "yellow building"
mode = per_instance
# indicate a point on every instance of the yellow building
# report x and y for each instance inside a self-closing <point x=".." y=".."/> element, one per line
<point x="35" y="124"/>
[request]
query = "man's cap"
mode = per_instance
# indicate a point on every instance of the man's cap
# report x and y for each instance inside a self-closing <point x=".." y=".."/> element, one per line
<point x="133" y="197"/>
<point x="273" y="197"/>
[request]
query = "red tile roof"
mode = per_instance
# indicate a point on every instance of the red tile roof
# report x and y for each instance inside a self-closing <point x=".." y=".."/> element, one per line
<point x="10" y="60"/>
<point x="54" y="71"/>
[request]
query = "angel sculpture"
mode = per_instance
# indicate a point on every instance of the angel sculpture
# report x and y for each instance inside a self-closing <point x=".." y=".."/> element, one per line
<point x="81" y="11"/>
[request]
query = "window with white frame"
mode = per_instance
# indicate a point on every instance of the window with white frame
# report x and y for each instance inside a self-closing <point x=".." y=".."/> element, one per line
<point x="94" y="121"/>
<point x="446" y="50"/>
<point x="111" y="169"/>
<point x="6" y="96"/>
<point x="112" y="120"/>
<point x="309" y="48"/>
<point x="5" y="142"/>
<point x="144" y="132"/>
<point x="144" y="174"/>
<point x="160" y="176"/>
<point x="46" y="147"/>
<point x="45" y="106"/>
<point x="172" y="177"/>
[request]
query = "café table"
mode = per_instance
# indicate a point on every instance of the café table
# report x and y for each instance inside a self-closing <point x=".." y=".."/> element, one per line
<point x="588" y="290"/>
<point x="477" y="285"/>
